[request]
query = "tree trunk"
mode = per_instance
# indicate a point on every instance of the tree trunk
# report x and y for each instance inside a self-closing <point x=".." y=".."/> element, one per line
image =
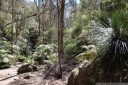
<point x="0" y="5"/>
<point x="17" y="25"/>
<point x="39" y="19"/>
<point x="60" y="31"/>
<point x="12" y="25"/>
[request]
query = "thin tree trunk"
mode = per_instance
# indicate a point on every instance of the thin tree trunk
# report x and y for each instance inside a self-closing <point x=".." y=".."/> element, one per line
<point x="12" y="25"/>
<point x="39" y="19"/>
<point x="43" y="22"/>
<point x="40" y="16"/>
<point x="60" y="31"/>
<point x="0" y="5"/>
<point x="59" y="55"/>
<point x="50" y="13"/>
<point x="17" y="25"/>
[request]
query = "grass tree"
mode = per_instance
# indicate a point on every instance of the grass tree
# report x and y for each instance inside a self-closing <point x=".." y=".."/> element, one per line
<point x="114" y="56"/>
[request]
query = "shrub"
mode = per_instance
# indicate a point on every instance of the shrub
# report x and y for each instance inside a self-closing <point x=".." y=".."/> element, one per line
<point x="45" y="52"/>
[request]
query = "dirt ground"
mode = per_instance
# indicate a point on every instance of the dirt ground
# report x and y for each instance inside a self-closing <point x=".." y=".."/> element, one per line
<point x="9" y="77"/>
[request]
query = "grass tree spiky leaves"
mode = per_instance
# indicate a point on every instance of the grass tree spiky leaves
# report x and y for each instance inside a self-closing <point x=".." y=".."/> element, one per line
<point x="114" y="56"/>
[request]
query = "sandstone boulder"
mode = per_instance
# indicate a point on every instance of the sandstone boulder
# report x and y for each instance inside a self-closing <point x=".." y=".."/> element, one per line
<point x="27" y="68"/>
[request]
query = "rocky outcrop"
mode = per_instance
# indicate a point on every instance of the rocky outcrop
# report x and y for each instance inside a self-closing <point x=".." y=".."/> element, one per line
<point x="86" y="74"/>
<point x="90" y="73"/>
<point x="99" y="34"/>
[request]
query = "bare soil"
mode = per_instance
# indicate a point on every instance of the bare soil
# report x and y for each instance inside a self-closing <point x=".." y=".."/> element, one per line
<point x="9" y="77"/>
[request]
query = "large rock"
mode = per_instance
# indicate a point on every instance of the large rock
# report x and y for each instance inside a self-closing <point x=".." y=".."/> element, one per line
<point x="27" y="68"/>
<point x="99" y="34"/>
<point x="91" y="73"/>
<point x="86" y="74"/>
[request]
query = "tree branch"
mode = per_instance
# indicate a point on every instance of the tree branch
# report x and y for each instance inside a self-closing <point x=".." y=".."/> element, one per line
<point x="20" y="19"/>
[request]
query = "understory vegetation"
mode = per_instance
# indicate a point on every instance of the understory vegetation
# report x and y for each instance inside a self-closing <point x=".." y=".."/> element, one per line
<point x="26" y="38"/>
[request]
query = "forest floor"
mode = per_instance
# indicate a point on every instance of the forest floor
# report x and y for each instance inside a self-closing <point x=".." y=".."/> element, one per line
<point x="9" y="77"/>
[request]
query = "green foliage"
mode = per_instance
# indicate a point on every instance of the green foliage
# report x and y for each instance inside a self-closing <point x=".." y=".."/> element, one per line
<point x="19" y="58"/>
<point x="85" y="17"/>
<point x="6" y="59"/>
<point x="46" y="48"/>
<point x="24" y="34"/>
<point x="45" y="51"/>
<point x="116" y="20"/>
<point x="117" y="23"/>
<point x="76" y="36"/>
<point x="31" y="23"/>
<point x="29" y="59"/>
<point x="53" y="57"/>
<point x="5" y="45"/>
<point x="76" y="31"/>
<point x="25" y="50"/>
<point x="50" y="35"/>
<point x="70" y="48"/>
<point x="89" y="54"/>
<point x="113" y="5"/>
<point x="73" y="46"/>
<point x="4" y="19"/>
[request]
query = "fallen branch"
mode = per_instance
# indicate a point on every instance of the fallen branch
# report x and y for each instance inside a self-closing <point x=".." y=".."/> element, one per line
<point x="9" y="77"/>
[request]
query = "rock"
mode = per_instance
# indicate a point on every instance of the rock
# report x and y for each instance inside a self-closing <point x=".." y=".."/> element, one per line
<point x="27" y="68"/>
<point x="87" y="74"/>
<point x="47" y="62"/>
<point x="84" y="63"/>
<point x="91" y="73"/>
<point x="27" y="76"/>
<point x="73" y="76"/>
<point x="99" y="34"/>
<point x="77" y="78"/>
<point x="4" y="65"/>
<point x="18" y="63"/>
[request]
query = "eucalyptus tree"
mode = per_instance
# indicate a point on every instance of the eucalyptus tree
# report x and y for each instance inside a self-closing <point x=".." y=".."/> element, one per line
<point x="61" y="8"/>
